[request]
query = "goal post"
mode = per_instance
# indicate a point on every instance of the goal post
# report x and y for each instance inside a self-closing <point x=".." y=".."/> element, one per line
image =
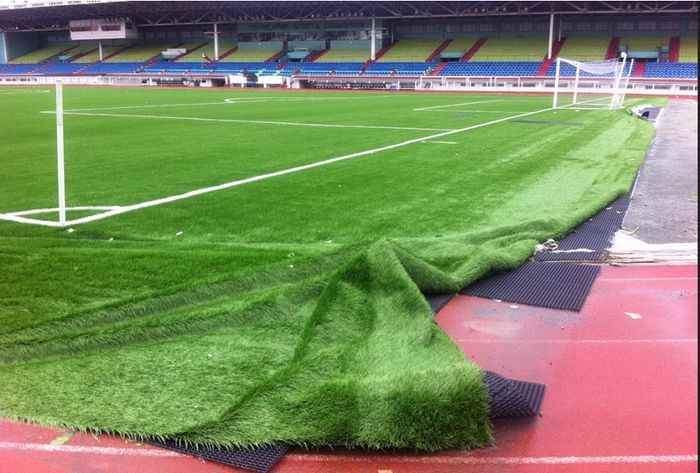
<point x="591" y="84"/>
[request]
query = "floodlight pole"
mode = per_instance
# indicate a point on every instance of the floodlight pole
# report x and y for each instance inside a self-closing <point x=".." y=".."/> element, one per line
<point x="60" y="156"/>
<point x="551" y="35"/>
<point x="216" y="41"/>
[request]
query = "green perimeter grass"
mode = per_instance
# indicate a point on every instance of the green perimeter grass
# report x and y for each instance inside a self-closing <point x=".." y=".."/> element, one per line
<point x="288" y="309"/>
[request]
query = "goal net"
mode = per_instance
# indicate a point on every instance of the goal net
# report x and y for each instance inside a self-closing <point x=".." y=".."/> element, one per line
<point x="593" y="84"/>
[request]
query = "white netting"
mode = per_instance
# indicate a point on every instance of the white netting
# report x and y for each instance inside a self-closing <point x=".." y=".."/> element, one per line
<point x="591" y="84"/>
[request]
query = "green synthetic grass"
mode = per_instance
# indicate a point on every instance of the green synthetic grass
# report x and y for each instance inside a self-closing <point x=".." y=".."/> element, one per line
<point x="288" y="309"/>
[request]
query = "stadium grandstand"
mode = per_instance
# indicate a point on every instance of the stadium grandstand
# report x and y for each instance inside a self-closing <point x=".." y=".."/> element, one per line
<point x="373" y="42"/>
<point x="348" y="236"/>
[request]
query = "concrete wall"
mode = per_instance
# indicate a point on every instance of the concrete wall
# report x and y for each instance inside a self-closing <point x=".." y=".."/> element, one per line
<point x="351" y="44"/>
<point x="265" y="45"/>
<point x="310" y="45"/>
<point x="17" y="44"/>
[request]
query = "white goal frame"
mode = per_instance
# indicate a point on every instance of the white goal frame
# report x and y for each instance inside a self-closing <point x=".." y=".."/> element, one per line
<point x="603" y="86"/>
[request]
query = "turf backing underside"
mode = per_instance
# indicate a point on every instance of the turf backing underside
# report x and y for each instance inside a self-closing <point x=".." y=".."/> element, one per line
<point x="287" y="310"/>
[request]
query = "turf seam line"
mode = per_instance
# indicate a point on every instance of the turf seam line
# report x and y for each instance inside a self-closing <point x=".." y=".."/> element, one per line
<point x="228" y="185"/>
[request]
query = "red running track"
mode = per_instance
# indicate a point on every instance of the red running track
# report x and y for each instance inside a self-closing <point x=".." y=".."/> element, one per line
<point x="621" y="394"/>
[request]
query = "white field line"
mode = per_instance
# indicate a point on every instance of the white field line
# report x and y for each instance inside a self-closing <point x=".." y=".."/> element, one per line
<point x="441" y="142"/>
<point x="255" y="122"/>
<point x="17" y="92"/>
<point x="422" y="109"/>
<point x="228" y="185"/>
<point x="468" y="111"/>
<point x="584" y="342"/>
<point x="44" y="211"/>
<point x="32" y="221"/>
<point x="484" y="460"/>
<point x="228" y="101"/>
<point x="434" y="459"/>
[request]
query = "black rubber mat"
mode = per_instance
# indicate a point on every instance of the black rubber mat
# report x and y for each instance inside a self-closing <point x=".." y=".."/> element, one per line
<point x="254" y="459"/>
<point x="554" y="285"/>
<point x="596" y="256"/>
<point x="438" y="301"/>
<point x="511" y="397"/>
<point x="595" y="234"/>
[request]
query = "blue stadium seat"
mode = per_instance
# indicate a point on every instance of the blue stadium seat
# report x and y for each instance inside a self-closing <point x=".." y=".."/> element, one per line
<point x="671" y="70"/>
<point x="62" y="68"/>
<point x="322" y="68"/>
<point x="399" y="68"/>
<point x="567" y="70"/>
<point x="113" y="68"/>
<point x="491" y="68"/>
<point x="18" y="68"/>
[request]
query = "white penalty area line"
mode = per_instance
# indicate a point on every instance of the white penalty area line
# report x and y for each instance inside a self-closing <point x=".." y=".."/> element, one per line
<point x="423" y="109"/>
<point x="292" y="170"/>
<point x="253" y="122"/>
<point x="474" y="460"/>
<point x="435" y="459"/>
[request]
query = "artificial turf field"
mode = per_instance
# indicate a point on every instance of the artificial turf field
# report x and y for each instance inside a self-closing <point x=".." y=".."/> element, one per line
<point x="287" y="308"/>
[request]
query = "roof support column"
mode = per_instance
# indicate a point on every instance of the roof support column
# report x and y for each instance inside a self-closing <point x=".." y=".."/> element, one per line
<point x="216" y="41"/>
<point x="373" y="39"/>
<point x="551" y="35"/>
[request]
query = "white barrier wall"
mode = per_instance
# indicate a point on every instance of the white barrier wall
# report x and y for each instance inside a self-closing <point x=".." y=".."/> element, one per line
<point x="680" y="87"/>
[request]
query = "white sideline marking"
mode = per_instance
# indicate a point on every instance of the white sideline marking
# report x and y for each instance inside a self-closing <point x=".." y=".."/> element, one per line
<point x="441" y="142"/>
<point x="17" y="92"/>
<point x="143" y="452"/>
<point x="584" y="342"/>
<point x="256" y="122"/>
<point x="227" y="185"/>
<point x="133" y="452"/>
<point x="474" y="460"/>
<point x="422" y="109"/>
